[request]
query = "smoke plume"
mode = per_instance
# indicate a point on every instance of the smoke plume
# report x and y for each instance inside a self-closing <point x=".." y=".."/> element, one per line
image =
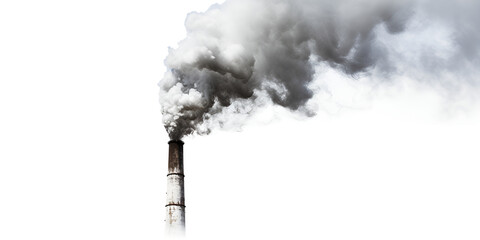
<point x="242" y="52"/>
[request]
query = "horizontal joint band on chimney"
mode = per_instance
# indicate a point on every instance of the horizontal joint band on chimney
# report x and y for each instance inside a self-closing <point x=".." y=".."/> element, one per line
<point x="175" y="204"/>
<point x="178" y="174"/>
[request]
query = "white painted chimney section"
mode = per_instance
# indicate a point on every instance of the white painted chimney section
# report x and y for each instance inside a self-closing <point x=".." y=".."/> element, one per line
<point x="175" y="207"/>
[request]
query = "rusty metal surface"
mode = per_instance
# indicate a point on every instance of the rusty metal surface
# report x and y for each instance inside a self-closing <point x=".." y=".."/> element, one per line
<point x="175" y="220"/>
<point x="175" y="157"/>
<point x="175" y="190"/>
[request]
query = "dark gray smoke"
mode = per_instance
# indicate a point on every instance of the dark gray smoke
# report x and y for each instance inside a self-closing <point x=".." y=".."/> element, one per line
<point x="243" y="49"/>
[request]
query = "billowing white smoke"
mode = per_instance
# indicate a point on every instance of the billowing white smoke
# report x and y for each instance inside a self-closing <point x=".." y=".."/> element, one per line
<point x="243" y="49"/>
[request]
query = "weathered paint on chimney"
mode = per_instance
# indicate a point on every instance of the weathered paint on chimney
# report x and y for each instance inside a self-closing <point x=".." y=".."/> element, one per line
<point x="175" y="208"/>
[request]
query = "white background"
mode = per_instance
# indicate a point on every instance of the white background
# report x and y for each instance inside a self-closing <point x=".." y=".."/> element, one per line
<point x="83" y="153"/>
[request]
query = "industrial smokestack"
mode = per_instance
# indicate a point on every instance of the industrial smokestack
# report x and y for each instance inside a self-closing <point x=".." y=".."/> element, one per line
<point x="175" y="207"/>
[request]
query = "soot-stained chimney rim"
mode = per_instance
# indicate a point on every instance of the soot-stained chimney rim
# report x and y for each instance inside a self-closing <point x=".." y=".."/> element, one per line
<point x="176" y="141"/>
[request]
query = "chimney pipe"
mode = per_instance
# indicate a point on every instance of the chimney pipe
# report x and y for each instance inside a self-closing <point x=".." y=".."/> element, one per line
<point x="175" y="217"/>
